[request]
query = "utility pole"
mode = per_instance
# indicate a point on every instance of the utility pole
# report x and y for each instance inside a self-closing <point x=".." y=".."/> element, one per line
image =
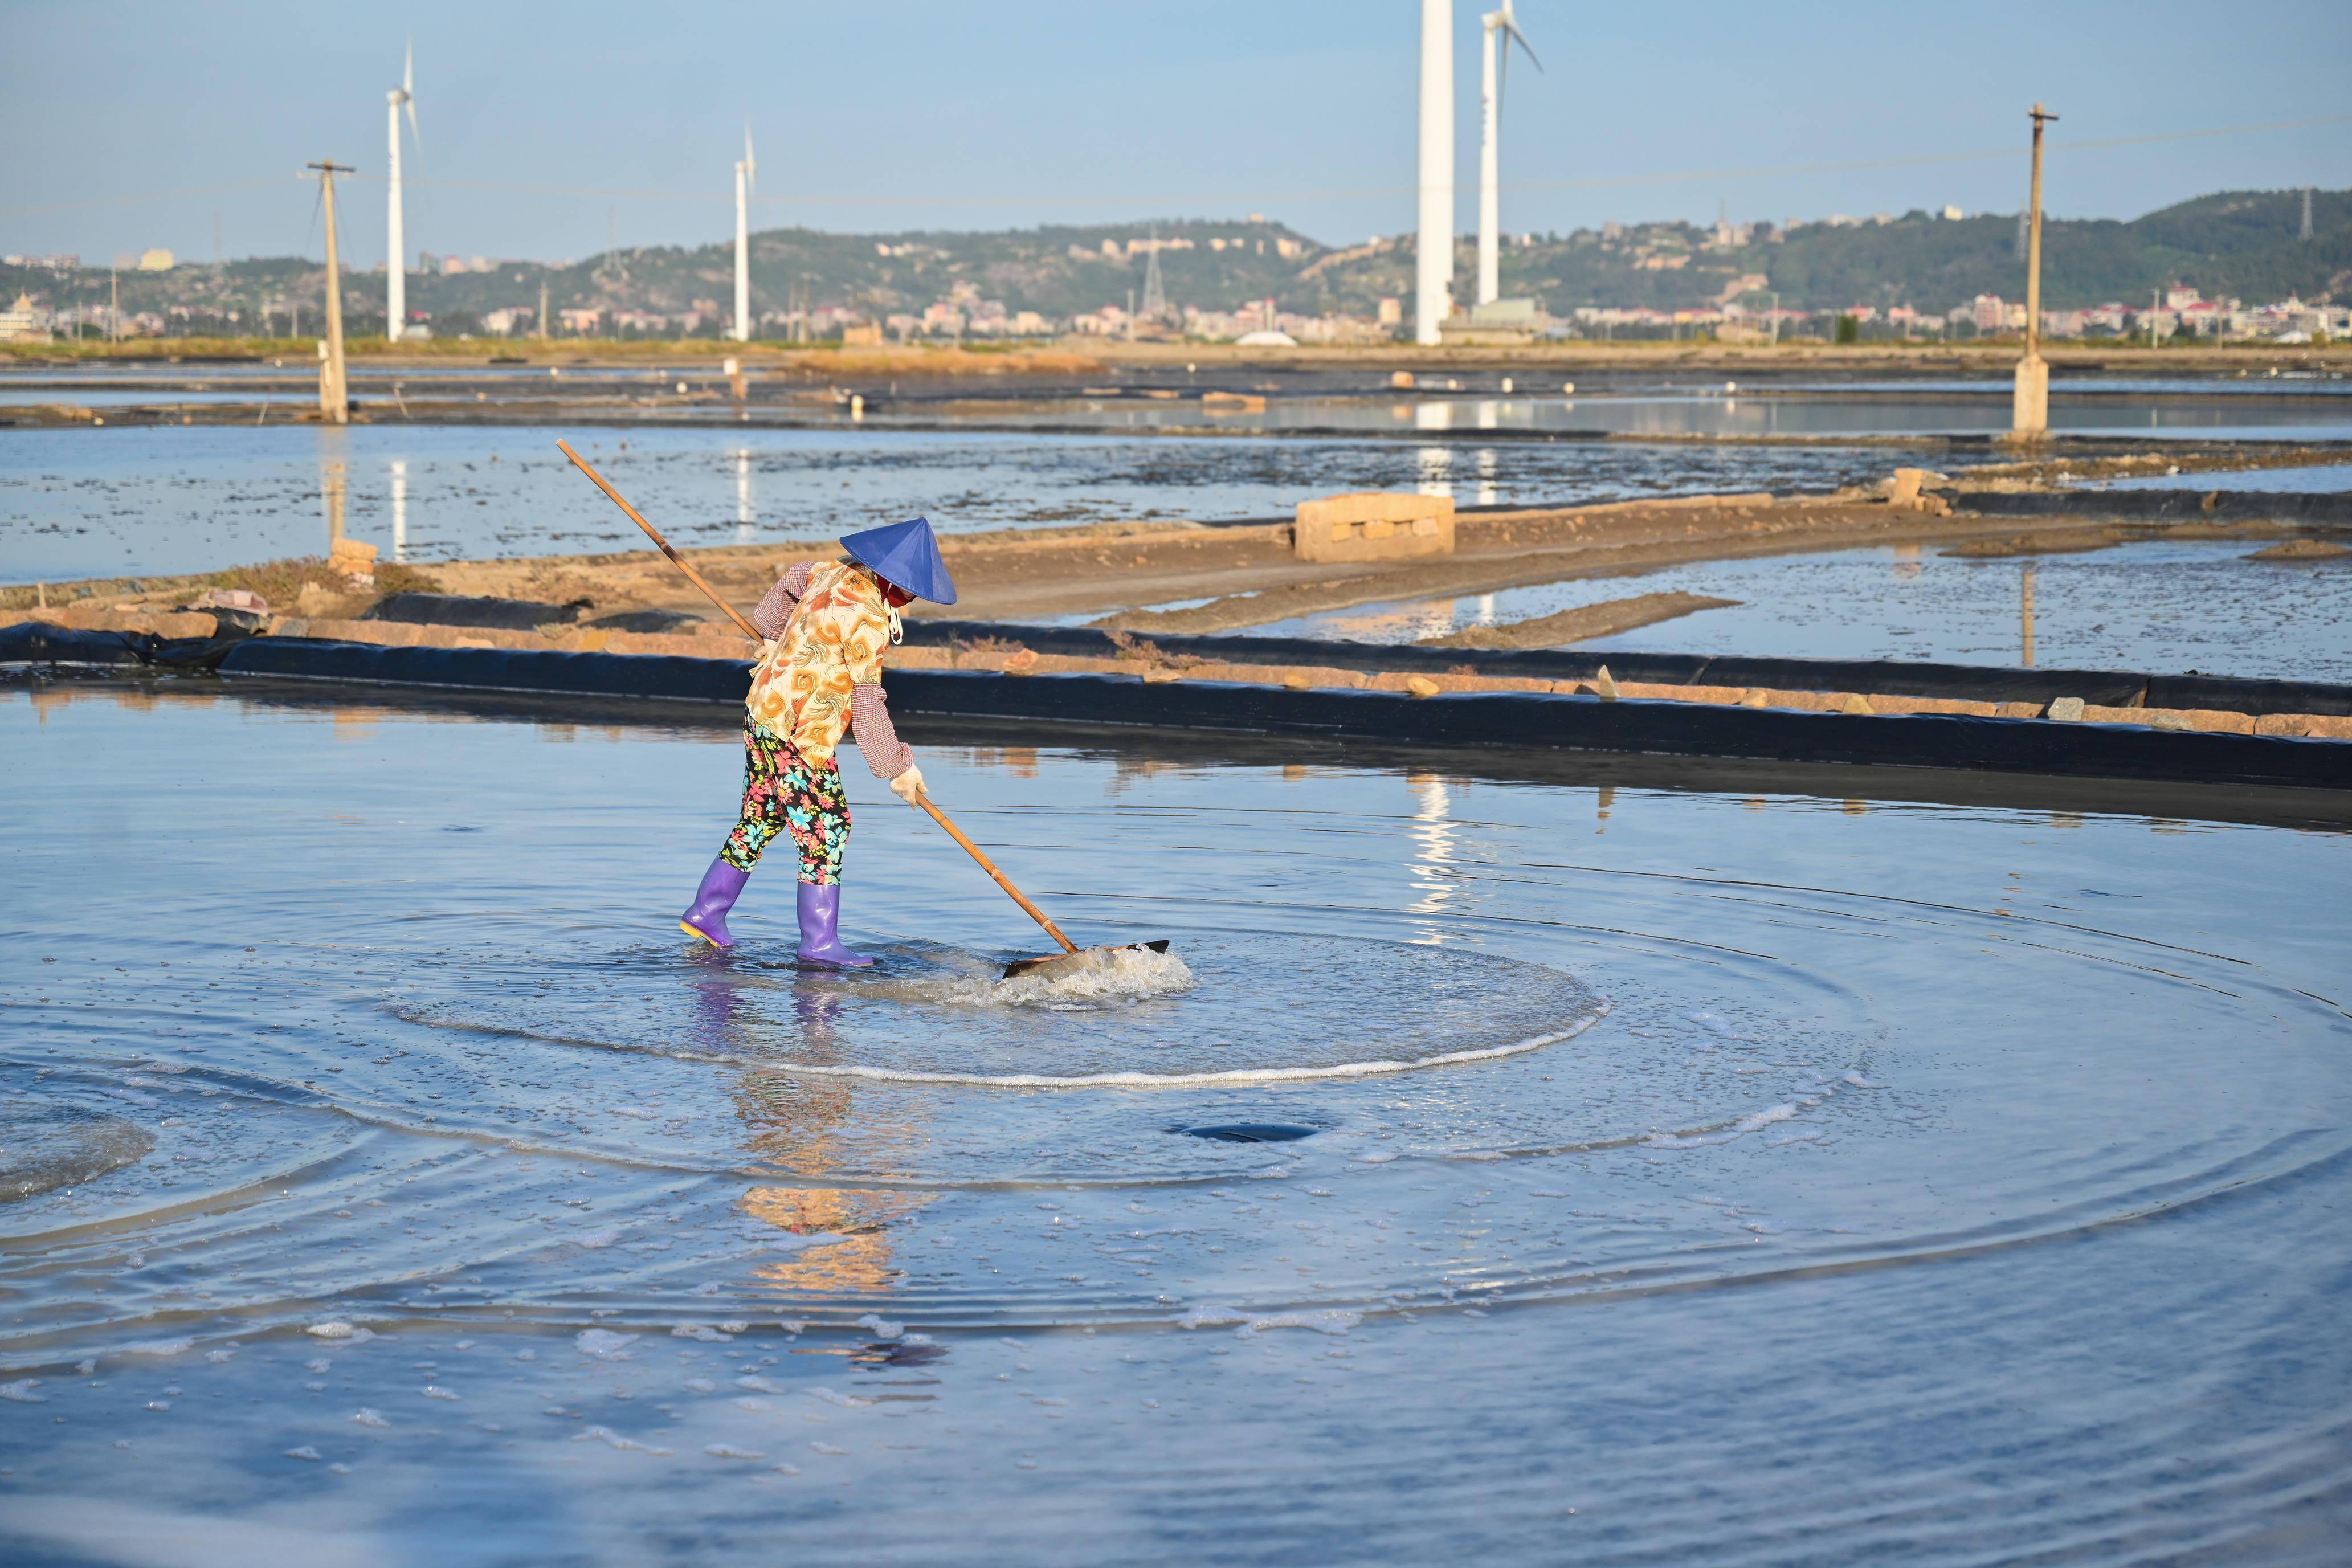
<point x="113" y="306"/>
<point x="542" y="309"/>
<point x="334" y="395"/>
<point x="2029" y="404"/>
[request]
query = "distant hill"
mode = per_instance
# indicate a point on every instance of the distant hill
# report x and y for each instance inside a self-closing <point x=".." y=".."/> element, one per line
<point x="2235" y="243"/>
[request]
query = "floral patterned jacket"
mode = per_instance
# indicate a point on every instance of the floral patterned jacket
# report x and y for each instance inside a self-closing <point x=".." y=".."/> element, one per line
<point x="804" y="685"/>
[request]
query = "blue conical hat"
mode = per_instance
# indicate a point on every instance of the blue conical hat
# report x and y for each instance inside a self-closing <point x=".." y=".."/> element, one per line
<point x="908" y="555"/>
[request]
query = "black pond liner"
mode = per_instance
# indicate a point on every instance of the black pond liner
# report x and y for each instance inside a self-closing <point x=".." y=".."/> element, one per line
<point x="1249" y="1132"/>
<point x="37" y="643"/>
<point x="1870" y="678"/>
<point x="473" y="610"/>
<point x="1522" y="721"/>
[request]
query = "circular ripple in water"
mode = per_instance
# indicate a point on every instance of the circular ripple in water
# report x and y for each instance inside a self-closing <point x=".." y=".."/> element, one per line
<point x="44" y="1146"/>
<point x="1220" y="1009"/>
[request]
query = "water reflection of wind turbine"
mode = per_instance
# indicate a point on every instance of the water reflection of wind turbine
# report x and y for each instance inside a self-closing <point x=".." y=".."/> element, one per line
<point x="743" y="526"/>
<point x="400" y="509"/>
<point x="1436" y="465"/>
<point x="1436" y="831"/>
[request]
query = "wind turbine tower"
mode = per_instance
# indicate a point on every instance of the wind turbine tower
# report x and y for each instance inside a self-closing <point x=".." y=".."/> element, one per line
<point x="743" y="174"/>
<point x="1433" y="268"/>
<point x="395" y="267"/>
<point x="1502" y="30"/>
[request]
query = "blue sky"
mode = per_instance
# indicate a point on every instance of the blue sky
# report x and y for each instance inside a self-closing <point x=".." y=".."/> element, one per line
<point x="981" y="116"/>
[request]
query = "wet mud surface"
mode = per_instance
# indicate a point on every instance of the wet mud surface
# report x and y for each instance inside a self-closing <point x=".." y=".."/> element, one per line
<point x="1758" y="1177"/>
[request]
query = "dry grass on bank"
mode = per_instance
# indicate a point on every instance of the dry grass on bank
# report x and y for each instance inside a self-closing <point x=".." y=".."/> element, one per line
<point x="282" y="582"/>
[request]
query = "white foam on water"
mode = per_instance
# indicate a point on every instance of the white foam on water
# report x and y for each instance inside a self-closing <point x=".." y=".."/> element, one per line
<point x="606" y="1436"/>
<point x="158" y="1347"/>
<point x="1093" y="977"/>
<point x="603" y="1345"/>
<point x="1373" y="1068"/>
<point x="1333" y="1322"/>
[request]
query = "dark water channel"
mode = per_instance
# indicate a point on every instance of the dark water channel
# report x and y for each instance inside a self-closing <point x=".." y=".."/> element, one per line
<point x="1722" y="1175"/>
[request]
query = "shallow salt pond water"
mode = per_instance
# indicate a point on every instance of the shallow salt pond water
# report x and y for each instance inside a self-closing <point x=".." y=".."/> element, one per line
<point x="2155" y="605"/>
<point x="76" y="504"/>
<point x="1761" y="1176"/>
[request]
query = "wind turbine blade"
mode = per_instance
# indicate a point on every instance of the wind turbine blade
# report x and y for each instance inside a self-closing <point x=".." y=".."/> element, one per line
<point x="408" y="70"/>
<point x="750" y="165"/>
<point x="1513" y="28"/>
<point x="414" y="134"/>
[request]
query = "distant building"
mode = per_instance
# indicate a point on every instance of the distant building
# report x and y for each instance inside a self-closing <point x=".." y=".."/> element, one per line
<point x="158" y="260"/>
<point x="1497" y="324"/>
<point x="22" y="322"/>
<point x="1392" y="312"/>
<point x="1987" y="313"/>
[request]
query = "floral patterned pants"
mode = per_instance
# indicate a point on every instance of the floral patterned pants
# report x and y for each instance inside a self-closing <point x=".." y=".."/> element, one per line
<point x="782" y="791"/>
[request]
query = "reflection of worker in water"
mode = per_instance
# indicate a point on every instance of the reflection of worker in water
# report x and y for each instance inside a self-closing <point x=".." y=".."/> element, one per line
<point x="820" y="675"/>
<point x="800" y="1124"/>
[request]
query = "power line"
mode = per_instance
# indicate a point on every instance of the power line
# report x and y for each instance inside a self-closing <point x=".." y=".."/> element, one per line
<point x="1595" y="182"/>
<point x="143" y="196"/>
<point x="1132" y="199"/>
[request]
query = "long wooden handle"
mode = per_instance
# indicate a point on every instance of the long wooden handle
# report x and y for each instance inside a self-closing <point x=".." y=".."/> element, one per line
<point x="990" y="867"/>
<point x="754" y="634"/>
<point x="676" y="559"/>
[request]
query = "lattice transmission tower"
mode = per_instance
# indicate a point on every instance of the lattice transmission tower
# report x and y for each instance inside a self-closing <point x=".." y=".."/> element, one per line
<point x="1155" y="292"/>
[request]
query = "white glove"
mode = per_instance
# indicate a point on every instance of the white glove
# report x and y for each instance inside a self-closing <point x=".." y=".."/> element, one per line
<point x="908" y="785"/>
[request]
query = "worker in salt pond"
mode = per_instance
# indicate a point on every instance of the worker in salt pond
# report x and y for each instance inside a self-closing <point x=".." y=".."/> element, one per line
<point x="820" y="674"/>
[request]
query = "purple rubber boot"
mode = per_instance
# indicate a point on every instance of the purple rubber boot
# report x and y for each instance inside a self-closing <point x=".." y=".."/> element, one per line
<point x="819" y="937"/>
<point x="707" y="916"/>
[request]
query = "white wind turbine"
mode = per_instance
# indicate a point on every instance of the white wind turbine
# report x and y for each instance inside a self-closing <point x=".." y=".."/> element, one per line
<point x="1433" y="266"/>
<point x="396" y="271"/>
<point x="744" y="171"/>
<point x="1502" y="30"/>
